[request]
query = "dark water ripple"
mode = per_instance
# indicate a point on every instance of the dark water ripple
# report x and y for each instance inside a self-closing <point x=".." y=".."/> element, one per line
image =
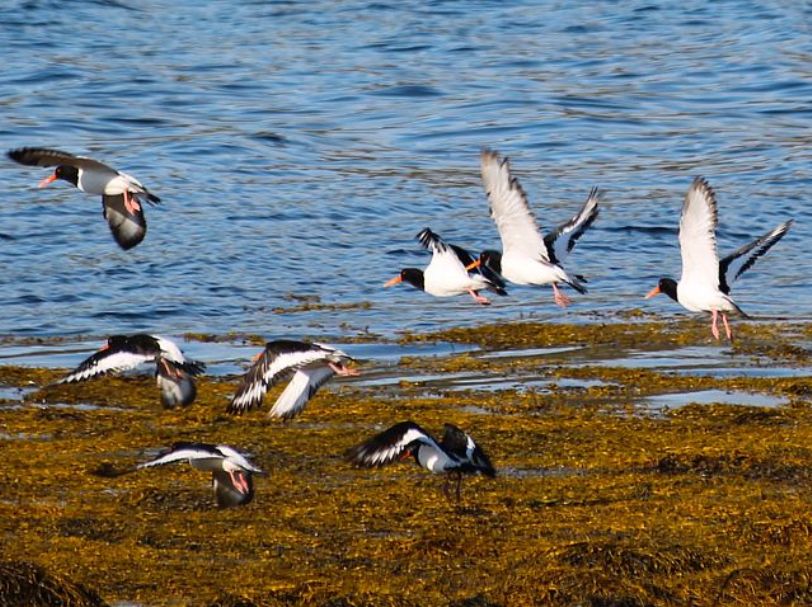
<point x="300" y="146"/>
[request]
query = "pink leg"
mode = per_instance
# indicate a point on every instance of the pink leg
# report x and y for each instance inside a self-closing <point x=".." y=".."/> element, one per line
<point x="479" y="298"/>
<point x="714" y="326"/>
<point x="238" y="481"/>
<point x="561" y="299"/>
<point x="340" y="369"/>
<point x="727" y="327"/>
<point x="131" y="203"/>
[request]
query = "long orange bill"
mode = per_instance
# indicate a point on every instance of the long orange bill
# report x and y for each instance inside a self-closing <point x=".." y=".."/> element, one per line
<point x="473" y="265"/>
<point x="653" y="292"/>
<point x="47" y="180"/>
<point x="390" y="283"/>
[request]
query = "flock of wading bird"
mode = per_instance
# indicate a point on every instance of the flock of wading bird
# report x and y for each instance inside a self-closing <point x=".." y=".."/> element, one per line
<point x="527" y="258"/>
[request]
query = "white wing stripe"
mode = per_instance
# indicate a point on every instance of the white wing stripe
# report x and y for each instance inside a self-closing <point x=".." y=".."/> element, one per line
<point x="304" y="383"/>
<point x="119" y="361"/>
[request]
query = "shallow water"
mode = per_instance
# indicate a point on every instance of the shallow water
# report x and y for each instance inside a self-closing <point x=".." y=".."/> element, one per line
<point x="300" y="146"/>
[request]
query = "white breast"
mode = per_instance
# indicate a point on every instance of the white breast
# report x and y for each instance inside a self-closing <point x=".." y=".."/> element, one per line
<point x="100" y="182"/>
<point x="446" y="276"/>
<point x="698" y="298"/>
<point x="523" y="270"/>
<point x="433" y="459"/>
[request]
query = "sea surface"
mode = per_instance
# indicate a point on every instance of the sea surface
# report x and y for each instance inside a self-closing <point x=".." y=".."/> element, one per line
<point x="299" y="147"/>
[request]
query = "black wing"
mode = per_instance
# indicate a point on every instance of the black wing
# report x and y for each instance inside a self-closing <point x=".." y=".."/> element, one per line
<point x="279" y="360"/>
<point x="389" y="445"/>
<point x="741" y="260"/>
<point x="463" y="447"/>
<point x="562" y="239"/>
<point x="497" y="282"/>
<point x="46" y="157"/>
<point x="128" y="228"/>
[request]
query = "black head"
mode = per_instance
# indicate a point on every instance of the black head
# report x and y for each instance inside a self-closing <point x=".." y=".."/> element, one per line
<point x="411" y="275"/>
<point x="667" y="286"/>
<point x="67" y="173"/>
<point x="492" y="260"/>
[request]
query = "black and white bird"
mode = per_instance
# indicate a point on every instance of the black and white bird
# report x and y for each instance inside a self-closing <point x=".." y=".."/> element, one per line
<point x="705" y="282"/>
<point x="121" y="194"/>
<point x="311" y="365"/>
<point x="173" y="371"/>
<point x="447" y="274"/>
<point x="456" y="454"/>
<point x="231" y="472"/>
<point x="527" y="258"/>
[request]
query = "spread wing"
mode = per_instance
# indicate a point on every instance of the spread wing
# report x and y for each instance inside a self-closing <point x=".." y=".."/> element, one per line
<point x="128" y="228"/>
<point x="741" y="260"/>
<point x="509" y="208"/>
<point x="302" y="387"/>
<point x="562" y="240"/>
<point x="238" y="458"/>
<point x="697" y="237"/>
<point x="432" y="241"/>
<point x="46" y="157"/>
<point x="463" y="447"/>
<point x="390" y="444"/>
<point x="104" y="361"/>
<point x="184" y="452"/>
<point x="271" y="366"/>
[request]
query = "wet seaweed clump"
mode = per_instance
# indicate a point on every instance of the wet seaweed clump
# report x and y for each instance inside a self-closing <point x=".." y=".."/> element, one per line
<point x="25" y="584"/>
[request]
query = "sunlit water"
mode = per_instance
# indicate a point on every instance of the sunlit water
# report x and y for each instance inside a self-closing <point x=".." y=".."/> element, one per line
<point x="300" y="146"/>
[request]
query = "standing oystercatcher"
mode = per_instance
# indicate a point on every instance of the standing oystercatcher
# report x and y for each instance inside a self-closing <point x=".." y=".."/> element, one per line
<point x="705" y="282"/>
<point x="456" y="454"/>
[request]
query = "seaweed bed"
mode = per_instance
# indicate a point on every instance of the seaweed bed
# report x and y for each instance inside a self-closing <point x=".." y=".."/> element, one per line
<point x="597" y="502"/>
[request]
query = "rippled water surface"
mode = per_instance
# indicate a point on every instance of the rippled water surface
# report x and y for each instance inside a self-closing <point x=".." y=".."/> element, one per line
<point x="300" y="146"/>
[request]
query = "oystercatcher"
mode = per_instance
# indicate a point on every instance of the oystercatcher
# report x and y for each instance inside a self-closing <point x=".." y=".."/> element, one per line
<point x="311" y="364"/>
<point x="447" y="274"/>
<point x="456" y="454"/>
<point x="527" y="258"/>
<point x="121" y="193"/>
<point x="230" y="471"/>
<point x="123" y="352"/>
<point x="705" y="282"/>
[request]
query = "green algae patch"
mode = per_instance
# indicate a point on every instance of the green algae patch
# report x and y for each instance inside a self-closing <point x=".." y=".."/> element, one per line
<point x="595" y="502"/>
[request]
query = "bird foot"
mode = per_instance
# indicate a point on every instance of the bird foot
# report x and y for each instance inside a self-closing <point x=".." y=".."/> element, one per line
<point x="561" y="299"/>
<point x="484" y="301"/>
<point x="131" y="203"/>
<point x="344" y="370"/>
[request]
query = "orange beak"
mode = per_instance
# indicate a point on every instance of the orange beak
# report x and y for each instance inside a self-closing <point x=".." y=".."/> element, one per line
<point x="471" y="266"/>
<point x="396" y="280"/>
<point x="653" y="292"/>
<point x="47" y="180"/>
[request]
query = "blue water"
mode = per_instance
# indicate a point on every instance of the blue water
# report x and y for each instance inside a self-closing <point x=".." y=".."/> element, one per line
<point x="300" y="146"/>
